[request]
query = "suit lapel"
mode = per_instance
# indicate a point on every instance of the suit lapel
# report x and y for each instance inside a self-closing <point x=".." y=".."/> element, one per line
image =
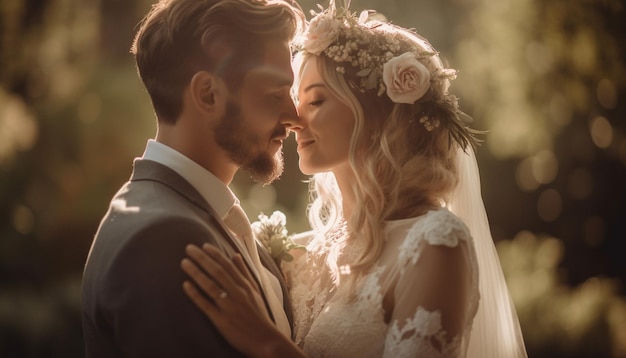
<point x="153" y="171"/>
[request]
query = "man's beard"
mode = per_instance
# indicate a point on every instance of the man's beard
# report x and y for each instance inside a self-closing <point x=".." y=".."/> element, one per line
<point x="239" y="144"/>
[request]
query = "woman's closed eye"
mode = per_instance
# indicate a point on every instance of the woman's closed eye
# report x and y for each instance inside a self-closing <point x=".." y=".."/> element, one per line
<point x="317" y="102"/>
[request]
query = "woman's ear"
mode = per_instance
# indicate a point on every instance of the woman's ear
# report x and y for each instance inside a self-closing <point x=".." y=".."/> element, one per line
<point x="208" y="93"/>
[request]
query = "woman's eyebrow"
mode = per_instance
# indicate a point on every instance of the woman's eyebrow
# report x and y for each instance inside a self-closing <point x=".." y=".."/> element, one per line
<point x="311" y="86"/>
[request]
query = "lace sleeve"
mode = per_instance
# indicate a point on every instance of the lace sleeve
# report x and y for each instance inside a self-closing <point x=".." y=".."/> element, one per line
<point x="435" y="295"/>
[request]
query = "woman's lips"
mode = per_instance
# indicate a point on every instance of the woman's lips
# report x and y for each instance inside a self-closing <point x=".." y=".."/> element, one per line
<point x="305" y="143"/>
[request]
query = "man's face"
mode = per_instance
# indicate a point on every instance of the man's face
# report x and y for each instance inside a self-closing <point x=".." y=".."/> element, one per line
<point x="253" y="128"/>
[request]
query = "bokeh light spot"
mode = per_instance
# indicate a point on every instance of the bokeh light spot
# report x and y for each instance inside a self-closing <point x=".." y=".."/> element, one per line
<point x="549" y="253"/>
<point x="524" y="176"/>
<point x="18" y="128"/>
<point x="545" y="166"/>
<point x="23" y="220"/>
<point x="560" y="110"/>
<point x="601" y="131"/>
<point x="607" y="93"/>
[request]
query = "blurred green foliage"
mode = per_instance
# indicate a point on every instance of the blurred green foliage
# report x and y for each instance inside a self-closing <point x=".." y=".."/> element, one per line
<point x="546" y="78"/>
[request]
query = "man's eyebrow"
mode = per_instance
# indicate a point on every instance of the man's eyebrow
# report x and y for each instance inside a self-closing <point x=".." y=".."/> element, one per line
<point x="274" y="77"/>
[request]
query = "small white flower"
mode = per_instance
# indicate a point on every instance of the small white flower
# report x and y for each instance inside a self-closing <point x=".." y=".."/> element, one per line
<point x="406" y="79"/>
<point x="278" y="219"/>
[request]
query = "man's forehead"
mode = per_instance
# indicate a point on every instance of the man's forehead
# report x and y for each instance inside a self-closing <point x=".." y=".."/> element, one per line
<point x="271" y="75"/>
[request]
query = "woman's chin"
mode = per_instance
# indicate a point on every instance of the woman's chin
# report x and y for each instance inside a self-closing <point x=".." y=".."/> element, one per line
<point x="306" y="170"/>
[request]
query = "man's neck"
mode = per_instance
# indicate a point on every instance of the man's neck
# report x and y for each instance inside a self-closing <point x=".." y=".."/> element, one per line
<point x="206" y="153"/>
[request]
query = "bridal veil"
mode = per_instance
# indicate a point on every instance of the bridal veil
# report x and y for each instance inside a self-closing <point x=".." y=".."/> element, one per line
<point x="496" y="332"/>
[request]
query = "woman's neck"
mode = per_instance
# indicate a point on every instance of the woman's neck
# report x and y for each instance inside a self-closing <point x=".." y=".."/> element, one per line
<point x="346" y="180"/>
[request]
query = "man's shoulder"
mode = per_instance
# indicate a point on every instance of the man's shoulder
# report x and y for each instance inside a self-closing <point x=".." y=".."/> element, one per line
<point x="149" y="203"/>
<point x="146" y="220"/>
<point x="133" y="228"/>
<point x="134" y="276"/>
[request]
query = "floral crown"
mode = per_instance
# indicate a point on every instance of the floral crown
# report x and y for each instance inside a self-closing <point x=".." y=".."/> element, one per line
<point x="375" y="55"/>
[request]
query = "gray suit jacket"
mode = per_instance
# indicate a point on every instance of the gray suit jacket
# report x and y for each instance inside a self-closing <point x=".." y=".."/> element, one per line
<point x="132" y="299"/>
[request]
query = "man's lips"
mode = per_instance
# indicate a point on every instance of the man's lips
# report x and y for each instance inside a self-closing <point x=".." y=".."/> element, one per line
<point x="280" y="138"/>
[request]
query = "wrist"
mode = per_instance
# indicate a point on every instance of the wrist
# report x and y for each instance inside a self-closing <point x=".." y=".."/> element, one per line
<point x="269" y="349"/>
<point x="276" y="347"/>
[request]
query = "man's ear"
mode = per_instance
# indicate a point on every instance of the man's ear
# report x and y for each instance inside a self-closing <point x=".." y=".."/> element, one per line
<point x="208" y="93"/>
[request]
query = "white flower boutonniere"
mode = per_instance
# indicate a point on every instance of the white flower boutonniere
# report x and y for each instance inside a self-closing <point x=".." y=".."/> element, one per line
<point x="273" y="235"/>
<point x="406" y="79"/>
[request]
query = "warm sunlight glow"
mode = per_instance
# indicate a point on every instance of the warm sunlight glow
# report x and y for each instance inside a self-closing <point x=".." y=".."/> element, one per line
<point x="345" y="270"/>
<point x="262" y="198"/>
<point x="120" y="204"/>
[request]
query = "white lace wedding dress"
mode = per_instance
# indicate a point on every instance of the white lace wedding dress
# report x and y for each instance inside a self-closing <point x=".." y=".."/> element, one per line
<point x="418" y="301"/>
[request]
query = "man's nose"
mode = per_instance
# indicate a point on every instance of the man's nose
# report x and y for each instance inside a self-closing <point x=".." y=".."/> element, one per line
<point x="290" y="119"/>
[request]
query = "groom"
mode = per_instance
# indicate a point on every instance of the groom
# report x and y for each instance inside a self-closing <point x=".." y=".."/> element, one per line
<point x="218" y="73"/>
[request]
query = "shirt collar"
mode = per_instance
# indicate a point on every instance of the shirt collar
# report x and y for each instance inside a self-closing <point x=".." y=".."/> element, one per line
<point x="214" y="191"/>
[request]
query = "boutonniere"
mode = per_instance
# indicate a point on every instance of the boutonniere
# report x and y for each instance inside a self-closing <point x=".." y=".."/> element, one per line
<point x="273" y="235"/>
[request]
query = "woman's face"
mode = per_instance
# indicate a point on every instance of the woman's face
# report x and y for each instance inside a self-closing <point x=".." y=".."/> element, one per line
<point x="325" y="124"/>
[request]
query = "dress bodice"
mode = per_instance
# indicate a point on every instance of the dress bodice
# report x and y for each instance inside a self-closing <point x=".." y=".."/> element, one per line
<point x="419" y="299"/>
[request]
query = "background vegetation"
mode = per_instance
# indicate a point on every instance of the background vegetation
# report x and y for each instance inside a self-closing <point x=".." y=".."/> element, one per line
<point x="546" y="78"/>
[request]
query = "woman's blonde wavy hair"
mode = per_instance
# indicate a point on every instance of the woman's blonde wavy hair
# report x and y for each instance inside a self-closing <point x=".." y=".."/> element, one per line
<point x="400" y="168"/>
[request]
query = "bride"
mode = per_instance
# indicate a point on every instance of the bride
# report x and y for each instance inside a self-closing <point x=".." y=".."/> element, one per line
<point x="401" y="262"/>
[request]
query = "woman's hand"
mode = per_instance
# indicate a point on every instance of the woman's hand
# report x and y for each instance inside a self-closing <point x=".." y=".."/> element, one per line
<point x="234" y="303"/>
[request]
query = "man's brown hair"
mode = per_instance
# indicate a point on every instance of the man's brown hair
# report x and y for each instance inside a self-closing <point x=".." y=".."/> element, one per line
<point x="178" y="38"/>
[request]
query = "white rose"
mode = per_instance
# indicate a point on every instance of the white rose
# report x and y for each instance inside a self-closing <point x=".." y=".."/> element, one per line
<point x="406" y="79"/>
<point x="323" y="31"/>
